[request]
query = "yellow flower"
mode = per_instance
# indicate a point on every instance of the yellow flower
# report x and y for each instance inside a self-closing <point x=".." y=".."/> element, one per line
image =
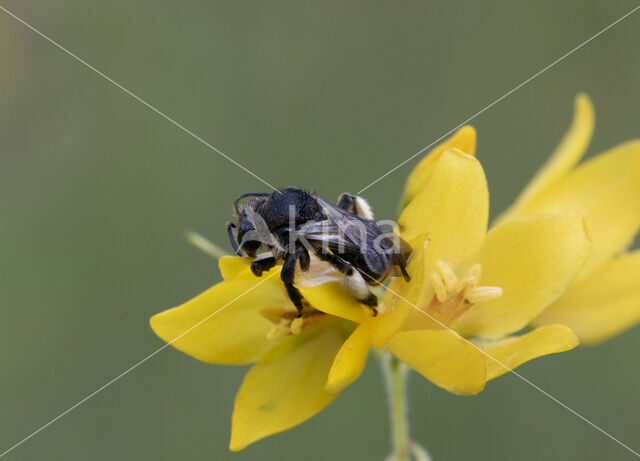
<point x="465" y="283"/>
<point x="245" y="319"/>
<point x="604" y="300"/>
<point x="470" y="283"/>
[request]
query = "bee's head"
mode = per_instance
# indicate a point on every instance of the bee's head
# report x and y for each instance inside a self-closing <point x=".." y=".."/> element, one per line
<point x="248" y="236"/>
<point x="246" y="231"/>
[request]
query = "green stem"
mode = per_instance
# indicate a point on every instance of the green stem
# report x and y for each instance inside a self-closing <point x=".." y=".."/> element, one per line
<point x="395" y="373"/>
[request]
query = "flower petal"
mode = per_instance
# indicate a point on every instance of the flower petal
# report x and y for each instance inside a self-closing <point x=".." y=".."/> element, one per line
<point x="464" y="139"/>
<point x="452" y="210"/>
<point x="532" y="259"/>
<point x="333" y="299"/>
<point x="564" y="158"/>
<point x="351" y="359"/>
<point x="235" y="266"/>
<point x="442" y="357"/>
<point x="605" y="191"/>
<point x="222" y="325"/>
<point x="286" y="387"/>
<point x="601" y="305"/>
<point x="396" y="304"/>
<point x="509" y="353"/>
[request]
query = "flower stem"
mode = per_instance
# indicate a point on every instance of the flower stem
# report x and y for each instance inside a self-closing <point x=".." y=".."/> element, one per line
<point x="395" y="373"/>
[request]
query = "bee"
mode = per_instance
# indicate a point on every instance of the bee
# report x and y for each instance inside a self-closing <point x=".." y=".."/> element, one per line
<point x="293" y="224"/>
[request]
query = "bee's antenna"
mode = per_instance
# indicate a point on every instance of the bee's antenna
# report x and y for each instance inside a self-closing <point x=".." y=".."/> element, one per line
<point x="232" y="239"/>
<point x="248" y="194"/>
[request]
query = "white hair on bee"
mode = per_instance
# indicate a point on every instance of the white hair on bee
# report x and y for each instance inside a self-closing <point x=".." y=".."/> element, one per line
<point x="356" y="285"/>
<point x="362" y="208"/>
<point x="319" y="273"/>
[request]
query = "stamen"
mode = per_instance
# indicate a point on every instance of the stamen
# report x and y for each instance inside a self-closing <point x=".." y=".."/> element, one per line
<point x="453" y="296"/>
<point x="288" y="323"/>
<point x="468" y="290"/>
<point x="466" y="282"/>
<point x="279" y="331"/>
<point x="448" y="276"/>
<point x="474" y="271"/>
<point x="438" y="287"/>
<point x="483" y="294"/>
<point x="296" y="325"/>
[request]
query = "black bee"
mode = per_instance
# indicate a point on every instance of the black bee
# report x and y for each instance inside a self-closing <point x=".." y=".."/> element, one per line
<point x="292" y="224"/>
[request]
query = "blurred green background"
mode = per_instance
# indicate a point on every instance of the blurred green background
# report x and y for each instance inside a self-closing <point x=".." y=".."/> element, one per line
<point x="96" y="189"/>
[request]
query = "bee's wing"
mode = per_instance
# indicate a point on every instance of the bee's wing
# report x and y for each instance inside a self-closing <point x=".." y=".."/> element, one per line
<point x="356" y="229"/>
<point x="327" y="234"/>
<point x="363" y="234"/>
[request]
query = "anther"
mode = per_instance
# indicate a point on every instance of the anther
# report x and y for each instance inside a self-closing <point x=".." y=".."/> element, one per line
<point x="483" y="294"/>
<point x="466" y="282"/>
<point x="474" y="271"/>
<point x="279" y="331"/>
<point x="296" y="325"/>
<point x="448" y="276"/>
<point x="438" y="287"/>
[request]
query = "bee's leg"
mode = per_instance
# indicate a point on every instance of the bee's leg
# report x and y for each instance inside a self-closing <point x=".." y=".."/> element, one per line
<point x="356" y="285"/>
<point x="287" y="275"/>
<point x="305" y="260"/>
<point x="258" y="266"/>
<point x="371" y="301"/>
<point x="335" y="261"/>
<point x="353" y="280"/>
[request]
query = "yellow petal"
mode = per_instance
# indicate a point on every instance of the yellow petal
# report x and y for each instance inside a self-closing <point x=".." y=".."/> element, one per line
<point x="235" y="266"/>
<point x="234" y="331"/>
<point x="442" y="357"/>
<point x="286" y="387"/>
<point x="399" y="297"/>
<point x="351" y="359"/>
<point x="564" y="158"/>
<point x="506" y="354"/>
<point x="452" y="210"/>
<point x="605" y="191"/>
<point x="601" y="305"/>
<point x="333" y="299"/>
<point x="464" y="139"/>
<point x="532" y="259"/>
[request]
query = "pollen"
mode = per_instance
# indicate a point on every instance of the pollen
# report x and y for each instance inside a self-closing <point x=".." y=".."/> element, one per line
<point x="286" y="322"/>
